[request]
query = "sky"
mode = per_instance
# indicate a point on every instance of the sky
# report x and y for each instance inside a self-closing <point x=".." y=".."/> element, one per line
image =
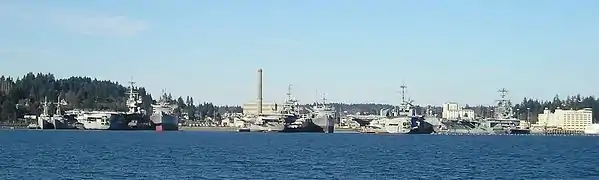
<point x="351" y="51"/>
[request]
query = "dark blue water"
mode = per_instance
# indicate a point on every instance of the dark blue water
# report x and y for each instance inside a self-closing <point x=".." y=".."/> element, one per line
<point x="229" y="155"/>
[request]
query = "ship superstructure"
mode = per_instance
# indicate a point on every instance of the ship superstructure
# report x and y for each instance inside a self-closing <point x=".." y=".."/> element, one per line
<point x="403" y="119"/>
<point x="163" y="117"/>
<point x="325" y="115"/>
<point x="502" y="122"/>
<point x="268" y="122"/>
<point x="320" y="117"/>
<point x="274" y="122"/>
<point x="136" y="117"/>
<point x="55" y="121"/>
<point x="133" y="119"/>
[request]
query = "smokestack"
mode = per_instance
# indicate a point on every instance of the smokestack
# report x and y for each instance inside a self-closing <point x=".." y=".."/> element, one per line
<point x="259" y="91"/>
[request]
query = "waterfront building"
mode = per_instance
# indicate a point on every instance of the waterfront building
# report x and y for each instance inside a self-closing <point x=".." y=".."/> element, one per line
<point x="575" y="120"/>
<point x="251" y="108"/>
<point x="452" y="110"/>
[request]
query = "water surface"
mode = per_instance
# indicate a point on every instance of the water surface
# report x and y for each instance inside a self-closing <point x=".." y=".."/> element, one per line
<point x="232" y="155"/>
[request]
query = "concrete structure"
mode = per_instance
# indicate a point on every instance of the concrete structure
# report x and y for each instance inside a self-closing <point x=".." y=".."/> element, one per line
<point x="452" y="110"/>
<point x="260" y="99"/>
<point x="575" y="120"/>
<point x="592" y="129"/>
<point x="253" y="108"/>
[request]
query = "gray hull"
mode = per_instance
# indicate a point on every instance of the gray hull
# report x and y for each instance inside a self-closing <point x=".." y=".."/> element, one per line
<point x="166" y="121"/>
<point x="326" y="122"/>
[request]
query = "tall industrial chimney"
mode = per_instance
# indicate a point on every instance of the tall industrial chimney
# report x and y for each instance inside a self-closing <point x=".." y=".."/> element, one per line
<point x="259" y="91"/>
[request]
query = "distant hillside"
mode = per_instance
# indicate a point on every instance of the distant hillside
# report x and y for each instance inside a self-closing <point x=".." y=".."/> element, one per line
<point x="24" y="96"/>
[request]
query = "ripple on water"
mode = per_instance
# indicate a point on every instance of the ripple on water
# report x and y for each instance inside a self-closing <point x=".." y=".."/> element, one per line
<point x="222" y="155"/>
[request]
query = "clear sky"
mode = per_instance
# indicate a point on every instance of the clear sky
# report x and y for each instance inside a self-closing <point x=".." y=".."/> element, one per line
<point x="354" y="51"/>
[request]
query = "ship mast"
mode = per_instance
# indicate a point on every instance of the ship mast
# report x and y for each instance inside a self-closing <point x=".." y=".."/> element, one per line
<point x="289" y="97"/>
<point x="403" y="92"/>
<point x="46" y="107"/>
<point x="133" y="101"/>
<point x="504" y="107"/>
<point x="59" y="103"/>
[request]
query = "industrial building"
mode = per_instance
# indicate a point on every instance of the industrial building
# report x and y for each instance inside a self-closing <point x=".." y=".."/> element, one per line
<point x="575" y="120"/>
<point x="251" y="108"/>
<point x="452" y="110"/>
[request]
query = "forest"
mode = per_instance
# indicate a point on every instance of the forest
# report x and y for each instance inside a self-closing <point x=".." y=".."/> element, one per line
<point x="24" y="95"/>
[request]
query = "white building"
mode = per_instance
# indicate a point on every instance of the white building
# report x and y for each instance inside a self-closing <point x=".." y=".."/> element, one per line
<point x="452" y="110"/>
<point x="267" y="108"/>
<point x="565" y="119"/>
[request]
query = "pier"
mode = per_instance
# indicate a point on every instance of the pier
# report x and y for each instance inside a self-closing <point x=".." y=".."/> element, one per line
<point x="532" y="134"/>
<point x="13" y="125"/>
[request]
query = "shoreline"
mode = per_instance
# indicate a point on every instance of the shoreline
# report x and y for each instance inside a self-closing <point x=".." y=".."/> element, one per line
<point x="224" y="129"/>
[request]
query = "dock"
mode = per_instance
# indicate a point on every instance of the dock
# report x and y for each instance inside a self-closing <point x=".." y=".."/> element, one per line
<point x="532" y="134"/>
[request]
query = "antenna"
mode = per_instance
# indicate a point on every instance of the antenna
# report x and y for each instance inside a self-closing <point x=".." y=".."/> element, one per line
<point x="403" y="92"/>
<point x="503" y="93"/>
<point x="324" y="98"/>
<point x="289" y="92"/>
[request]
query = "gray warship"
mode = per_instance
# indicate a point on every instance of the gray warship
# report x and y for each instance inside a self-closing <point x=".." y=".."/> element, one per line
<point x="136" y="117"/>
<point x="401" y="120"/>
<point x="502" y="122"/>
<point x="163" y="117"/>
<point x="262" y="122"/>
<point x="55" y="121"/>
<point x="321" y="117"/>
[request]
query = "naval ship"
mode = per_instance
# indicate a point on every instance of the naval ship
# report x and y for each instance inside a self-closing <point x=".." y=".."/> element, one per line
<point x="401" y="120"/>
<point x="264" y="122"/>
<point x="57" y="120"/>
<point x="277" y="121"/>
<point x="134" y="119"/>
<point x="320" y="118"/>
<point x="502" y="122"/>
<point x="163" y="117"/>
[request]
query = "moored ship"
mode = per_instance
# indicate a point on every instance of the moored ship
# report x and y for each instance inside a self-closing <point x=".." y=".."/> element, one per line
<point x="136" y="117"/>
<point x="57" y="120"/>
<point x="133" y="119"/>
<point x="503" y="121"/>
<point x="320" y="118"/>
<point x="401" y="120"/>
<point x="102" y="120"/>
<point x="264" y="123"/>
<point x="163" y="118"/>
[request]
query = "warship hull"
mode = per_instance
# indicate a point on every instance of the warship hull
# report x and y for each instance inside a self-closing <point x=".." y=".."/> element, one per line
<point x="320" y="124"/>
<point x="137" y="121"/>
<point x="165" y="122"/>
<point x="64" y="125"/>
<point x="46" y="125"/>
<point x="308" y="127"/>
<point x="263" y="128"/>
<point x="421" y="131"/>
<point x="464" y="127"/>
<point x="519" y="131"/>
<point x="116" y="124"/>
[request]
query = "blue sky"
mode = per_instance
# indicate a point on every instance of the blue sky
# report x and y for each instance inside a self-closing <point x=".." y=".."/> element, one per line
<point x="354" y="51"/>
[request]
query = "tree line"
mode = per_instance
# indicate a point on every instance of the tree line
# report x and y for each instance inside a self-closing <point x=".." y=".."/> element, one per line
<point x="25" y="95"/>
<point x="530" y="108"/>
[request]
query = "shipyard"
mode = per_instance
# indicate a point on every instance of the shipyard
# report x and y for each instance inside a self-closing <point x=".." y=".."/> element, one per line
<point x="291" y="116"/>
<point x="305" y="89"/>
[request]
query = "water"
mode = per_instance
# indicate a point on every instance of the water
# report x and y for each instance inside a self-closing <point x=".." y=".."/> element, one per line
<point x="232" y="155"/>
